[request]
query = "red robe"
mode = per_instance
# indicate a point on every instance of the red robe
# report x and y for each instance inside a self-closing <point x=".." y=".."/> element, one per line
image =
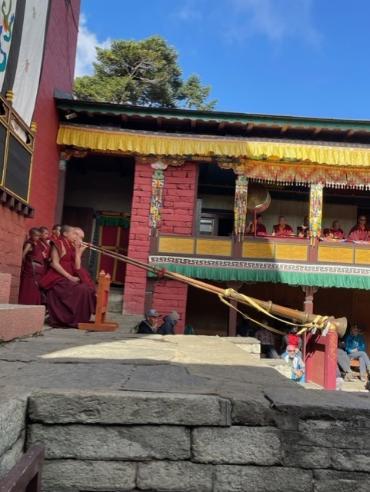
<point x="68" y="303"/>
<point x="286" y="230"/>
<point x="358" y="234"/>
<point x="33" y="269"/>
<point x="334" y="233"/>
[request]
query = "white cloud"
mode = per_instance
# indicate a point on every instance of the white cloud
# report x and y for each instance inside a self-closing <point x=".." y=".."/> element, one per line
<point x="188" y="12"/>
<point x="276" y="20"/>
<point x="86" y="53"/>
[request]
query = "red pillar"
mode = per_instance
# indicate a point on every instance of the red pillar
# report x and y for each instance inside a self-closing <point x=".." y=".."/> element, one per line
<point x="179" y="198"/>
<point x="139" y="240"/>
<point x="321" y="361"/>
<point x="330" y="364"/>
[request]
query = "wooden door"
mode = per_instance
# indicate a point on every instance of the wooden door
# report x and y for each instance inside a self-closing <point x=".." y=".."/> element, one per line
<point x="113" y="238"/>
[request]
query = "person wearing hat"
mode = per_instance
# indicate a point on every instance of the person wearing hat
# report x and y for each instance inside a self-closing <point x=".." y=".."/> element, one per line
<point x="169" y="323"/>
<point x="295" y="362"/>
<point x="150" y="323"/>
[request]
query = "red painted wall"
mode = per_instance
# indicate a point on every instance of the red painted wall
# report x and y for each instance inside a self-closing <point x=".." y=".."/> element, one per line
<point x="57" y="73"/>
<point x="12" y="236"/>
<point x="180" y="190"/>
<point x="139" y="241"/>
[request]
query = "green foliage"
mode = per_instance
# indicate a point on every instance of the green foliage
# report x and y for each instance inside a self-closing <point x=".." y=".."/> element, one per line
<point x="142" y="73"/>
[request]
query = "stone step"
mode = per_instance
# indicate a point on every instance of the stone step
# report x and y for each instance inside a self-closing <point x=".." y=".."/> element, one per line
<point x="126" y="321"/>
<point x="17" y="320"/>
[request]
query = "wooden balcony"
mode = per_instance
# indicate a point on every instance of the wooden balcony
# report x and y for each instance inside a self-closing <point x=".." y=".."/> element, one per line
<point x="287" y="260"/>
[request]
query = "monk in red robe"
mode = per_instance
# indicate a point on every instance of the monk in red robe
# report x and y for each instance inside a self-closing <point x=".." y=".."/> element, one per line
<point x="260" y="227"/>
<point x="33" y="269"/>
<point x="69" y="301"/>
<point x="282" y="229"/>
<point x="45" y="243"/>
<point x="55" y="232"/>
<point x="335" y="232"/>
<point x="83" y="273"/>
<point x="360" y="231"/>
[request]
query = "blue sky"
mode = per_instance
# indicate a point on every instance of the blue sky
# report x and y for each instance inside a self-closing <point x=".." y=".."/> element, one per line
<point x="297" y="57"/>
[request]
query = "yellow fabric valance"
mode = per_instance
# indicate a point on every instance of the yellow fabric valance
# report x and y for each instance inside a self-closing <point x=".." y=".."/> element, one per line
<point x="161" y="144"/>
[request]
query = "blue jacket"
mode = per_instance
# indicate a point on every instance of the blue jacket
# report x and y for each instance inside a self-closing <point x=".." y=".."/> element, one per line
<point x="355" y="342"/>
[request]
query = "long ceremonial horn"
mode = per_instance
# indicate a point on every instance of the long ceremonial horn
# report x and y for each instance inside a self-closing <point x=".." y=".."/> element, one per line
<point x="339" y="324"/>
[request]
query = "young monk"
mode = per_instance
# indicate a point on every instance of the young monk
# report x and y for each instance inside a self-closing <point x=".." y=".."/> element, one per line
<point x="33" y="268"/>
<point x="69" y="301"/>
<point x="55" y="232"/>
<point x="45" y="243"/>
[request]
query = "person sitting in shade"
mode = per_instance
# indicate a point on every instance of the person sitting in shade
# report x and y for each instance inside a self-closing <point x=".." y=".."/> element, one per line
<point x="169" y="323"/>
<point x="356" y="349"/>
<point x="282" y="229"/>
<point x="294" y="360"/>
<point x="260" y="227"/>
<point x="360" y="231"/>
<point x="150" y="323"/>
<point x="335" y="232"/>
<point x="304" y="229"/>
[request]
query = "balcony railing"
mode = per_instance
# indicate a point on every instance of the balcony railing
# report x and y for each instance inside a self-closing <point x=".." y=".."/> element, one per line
<point x="264" y="249"/>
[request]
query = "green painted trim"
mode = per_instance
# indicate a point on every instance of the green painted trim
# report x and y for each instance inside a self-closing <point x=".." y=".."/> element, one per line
<point x="217" y="116"/>
<point x="290" y="278"/>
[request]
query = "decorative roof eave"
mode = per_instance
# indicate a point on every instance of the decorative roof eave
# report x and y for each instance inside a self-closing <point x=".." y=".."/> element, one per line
<point x="221" y="270"/>
<point x="282" y="161"/>
<point x="283" y="121"/>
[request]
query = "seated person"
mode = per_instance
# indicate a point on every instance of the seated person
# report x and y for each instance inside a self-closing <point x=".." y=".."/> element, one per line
<point x="304" y="229"/>
<point x="293" y="358"/>
<point x="335" y="232"/>
<point x="282" y="229"/>
<point x="169" y="323"/>
<point x="268" y="340"/>
<point x="344" y="365"/>
<point x="150" y="323"/>
<point x="355" y="348"/>
<point x="68" y="299"/>
<point x="260" y="228"/>
<point x="245" y="329"/>
<point x="360" y="231"/>
<point x="83" y="273"/>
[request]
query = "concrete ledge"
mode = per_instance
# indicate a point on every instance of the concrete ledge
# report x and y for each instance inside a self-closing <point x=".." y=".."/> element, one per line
<point x="250" y="345"/>
<point x="20" y="321"/>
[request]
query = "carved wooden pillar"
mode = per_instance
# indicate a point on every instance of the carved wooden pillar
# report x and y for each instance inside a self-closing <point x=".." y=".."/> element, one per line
<point x="308" y="300"/>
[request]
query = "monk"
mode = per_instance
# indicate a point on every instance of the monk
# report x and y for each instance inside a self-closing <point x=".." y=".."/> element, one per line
<point x="360" y="231"/>
<point x="45" y="243"/>
<point x="260" y="227"/>
<point x="83" y="273"/>
<point x="335" y="232"/>
<point x="304" y="229"/>
<point x="69" y="301"/>
<point x="282" y="229"/>
<point x="55" y="232"/>
<point x="33" y="269"/>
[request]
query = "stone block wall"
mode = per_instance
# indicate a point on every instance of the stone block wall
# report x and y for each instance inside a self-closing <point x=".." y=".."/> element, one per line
<point x="131" y="441"/>
<point x="12" y="430"/>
